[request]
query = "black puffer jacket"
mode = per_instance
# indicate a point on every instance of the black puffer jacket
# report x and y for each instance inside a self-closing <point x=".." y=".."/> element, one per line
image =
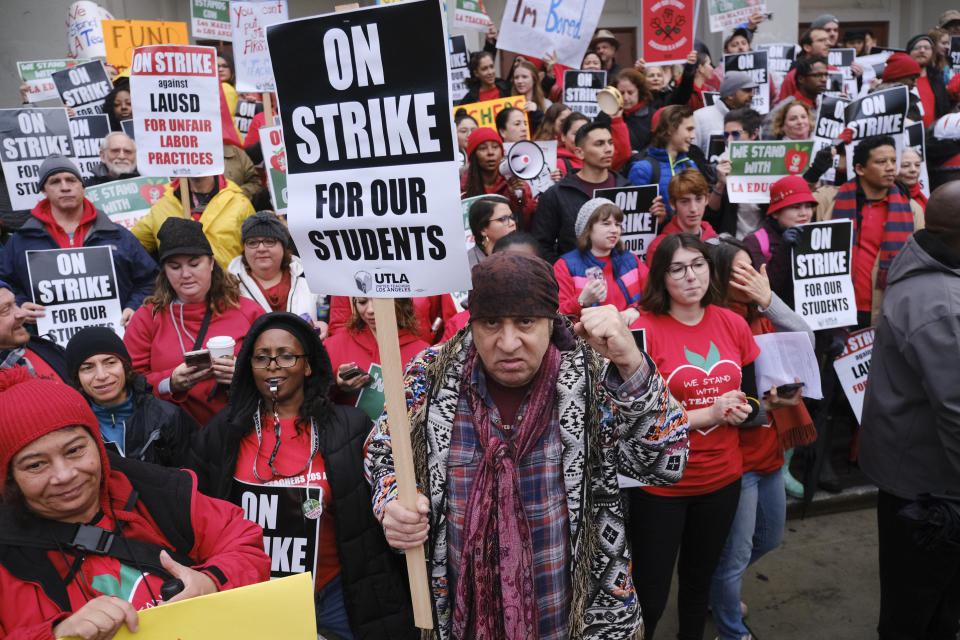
<point x="375" y="590"/>
<point x="158" y="431"/>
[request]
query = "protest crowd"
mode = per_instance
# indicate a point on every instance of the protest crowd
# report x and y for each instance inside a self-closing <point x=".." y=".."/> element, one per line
<point x="691" y="280"/>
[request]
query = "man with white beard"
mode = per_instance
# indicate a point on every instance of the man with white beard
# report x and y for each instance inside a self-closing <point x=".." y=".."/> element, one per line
<point x="118" y="159"/>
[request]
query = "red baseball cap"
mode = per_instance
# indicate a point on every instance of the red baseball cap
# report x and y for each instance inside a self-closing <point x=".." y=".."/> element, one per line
<point x="789" y="191"/>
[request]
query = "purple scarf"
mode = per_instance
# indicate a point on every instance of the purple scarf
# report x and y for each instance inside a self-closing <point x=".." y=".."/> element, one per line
<point x="495" y="593"/>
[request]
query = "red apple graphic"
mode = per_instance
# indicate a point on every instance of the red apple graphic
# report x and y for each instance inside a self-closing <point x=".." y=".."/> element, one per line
<point x="702" y="373"/>
<point x="279" y="161"/>
<point x="152" y="193"/>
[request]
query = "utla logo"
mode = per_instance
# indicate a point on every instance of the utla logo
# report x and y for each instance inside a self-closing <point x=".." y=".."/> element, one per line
<point x="667" y="24"/>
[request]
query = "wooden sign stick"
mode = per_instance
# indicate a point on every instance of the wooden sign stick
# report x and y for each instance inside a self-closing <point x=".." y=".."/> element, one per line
<point x="267" y="109"/>
<point x="396" y="405"/>
<point x="185" y="196"/>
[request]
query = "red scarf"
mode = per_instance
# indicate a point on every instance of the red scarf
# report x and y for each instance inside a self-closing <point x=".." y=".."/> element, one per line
<point x="277" y="294"/>
<point x="496" y="593"/>
<point x="44" y="214"/>
<point x="916" y="193"/>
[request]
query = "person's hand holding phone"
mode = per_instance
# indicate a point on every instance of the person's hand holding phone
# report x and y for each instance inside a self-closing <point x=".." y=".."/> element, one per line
<point x="184" y="377"/>
<point x="785" y="395"/>
<point x="350" y="377"/>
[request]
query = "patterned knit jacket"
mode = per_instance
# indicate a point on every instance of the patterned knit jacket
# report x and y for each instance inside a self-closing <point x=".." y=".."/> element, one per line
<point x="644" y="438"/>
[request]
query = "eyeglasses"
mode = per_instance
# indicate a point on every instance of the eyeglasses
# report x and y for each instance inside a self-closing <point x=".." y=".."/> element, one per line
<point x="733" y="134"/>
<point x="253" y="243"/>
<point x="504" y="220"/>
<point x="284" y="360"/>
<point x="679" y="271"/>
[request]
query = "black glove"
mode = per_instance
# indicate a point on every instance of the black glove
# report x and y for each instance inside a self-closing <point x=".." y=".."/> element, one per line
<point x="791" y="236"/>
<point x="821" y="163"/>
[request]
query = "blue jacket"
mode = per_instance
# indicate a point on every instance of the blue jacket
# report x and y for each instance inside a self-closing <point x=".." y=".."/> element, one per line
<point x="641" y="172"/>
<point x="136" y="270"/>
<point x="623" y="262"/>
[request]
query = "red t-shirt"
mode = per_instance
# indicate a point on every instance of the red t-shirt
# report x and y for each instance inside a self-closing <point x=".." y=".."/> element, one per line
<point x="290" y="536"/>
<point x="760" y="446"/>
<point x="701" y="362"/>
<point x="40" y="366"/>
<point x="927" y="99"/>
<point x="866" y="249"/>
<point x="489" y="94"/>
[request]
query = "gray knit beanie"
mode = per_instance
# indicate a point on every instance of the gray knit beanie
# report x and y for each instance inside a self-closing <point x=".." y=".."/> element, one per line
<point x="586" y="211"/>
<point x="57" y="164"/>
<point x="822" y="20"/>
<point x="265" y="224"/>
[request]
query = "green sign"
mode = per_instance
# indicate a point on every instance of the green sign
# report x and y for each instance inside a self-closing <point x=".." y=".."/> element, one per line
<point x="37" y="76"/>
<point x="275" y="162"/>
<point x="371" y="399"/>
<point x="210" y="19"/>
<point x="754" y="166"/>
<point x="126" y="201"/>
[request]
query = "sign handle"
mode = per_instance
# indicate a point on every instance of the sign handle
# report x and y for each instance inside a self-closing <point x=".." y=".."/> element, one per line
<point x="396" y="405"/>
<point x="185" y="196"/>
<point x="267" y="109"/>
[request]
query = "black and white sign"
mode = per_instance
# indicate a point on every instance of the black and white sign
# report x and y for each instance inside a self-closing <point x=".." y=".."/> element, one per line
<point x="244" y="116"/>
<point x="710" y="97"/>
<point x="79" y="289"/>
<point x="639" y="227"/>
<point x="915" y="138"/>
<point x="127" y="126"/>
<point x="459" y="72"/>
<point x="842" y="59"/>
<point x="753" y="63"/>
<point x="88" y="133"/>
<point x="83" y="87"/>
<point x="27" y="137"/>
<point x="289" y="538"/>
<point x="955" y="54"/>
<point x="829" y="124"/>
<point x="715" y="147"/>
<point x="580" y="90"/>
<point x="176" y="109"/>
<point x="371" y="157"/>
<point x="780" y="58"/>
<point x="853" y="368"/>
<point x="822" y="284"/>
<point x="882" y="113"/>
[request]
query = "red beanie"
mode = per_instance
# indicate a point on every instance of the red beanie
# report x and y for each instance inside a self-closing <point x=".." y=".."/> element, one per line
<point x="30" y="408"/>
<point x="900" y="65"/>
<point x="481" y="135"/>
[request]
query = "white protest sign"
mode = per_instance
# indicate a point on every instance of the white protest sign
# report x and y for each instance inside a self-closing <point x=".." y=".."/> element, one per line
<point x="785" y="355"/>
<point x="915" y="139"/>
<point x="532" y="27"/>
<point x="210" y="19"/>
<point x="83" y="87"/>
<point x="373" y="180"/>
<point x="471" y="14"/>
<point x="727" y="14"/>
<point x="853" y="368"/>
<point x="822" y="283"/>
<point x="27" y="137"/>
<point x="88" y="133"/>
<point x="459" y="71"/>
<point x="882" y="113"/>
<point x="84" y="32"/>
<point x="126" y="201"/>
<point x="754" y="64"/>
<point x="580" y="90"/>
<point x="79" y="289"/>
<point x="872" y="66"/>
<point x="826" y="131"/>
<point x="176" y="107"/>
<point x="530" y="154"/>
<point x="639" y="228"/>
<point x="275" y="163"/>
<point x="249" y="21"/>
<point x="37" y="75"/>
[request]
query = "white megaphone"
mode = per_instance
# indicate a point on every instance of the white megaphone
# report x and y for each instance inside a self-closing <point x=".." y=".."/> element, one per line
<point x="524" y="160"/>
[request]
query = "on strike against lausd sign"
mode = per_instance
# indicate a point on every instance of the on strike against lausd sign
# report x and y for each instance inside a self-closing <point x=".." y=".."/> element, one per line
<point x="176" y="106"/>
<point x="374" y="201"/>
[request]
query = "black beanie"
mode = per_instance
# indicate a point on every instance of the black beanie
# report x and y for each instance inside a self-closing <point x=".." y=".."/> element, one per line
<point x="264" y="224"/>
<point x="93" y="341"/>
<point x="179" y="236"/>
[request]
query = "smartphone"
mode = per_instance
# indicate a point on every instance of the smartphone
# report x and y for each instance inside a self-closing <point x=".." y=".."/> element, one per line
<point x="199" y="358"/>
<point x="351" y="373"/>
<point x="594" y="273"/>
<point x="787" y="390"/>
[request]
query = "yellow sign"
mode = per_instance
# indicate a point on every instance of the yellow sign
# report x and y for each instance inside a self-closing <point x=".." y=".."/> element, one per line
<point x="121" y="37"/>
<point x="281" y="608"/>
<point x="485" y="113"/>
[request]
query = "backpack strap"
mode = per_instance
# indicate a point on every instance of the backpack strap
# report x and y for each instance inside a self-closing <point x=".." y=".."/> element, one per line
<point x="643" y="157"/>
<point x="763" y="238"/>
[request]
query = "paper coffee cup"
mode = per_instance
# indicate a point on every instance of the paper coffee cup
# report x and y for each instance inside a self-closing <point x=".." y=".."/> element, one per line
<point x="221" y="346"/>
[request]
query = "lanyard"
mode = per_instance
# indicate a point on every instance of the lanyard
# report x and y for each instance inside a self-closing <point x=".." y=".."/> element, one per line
<point x="314" y="447"/>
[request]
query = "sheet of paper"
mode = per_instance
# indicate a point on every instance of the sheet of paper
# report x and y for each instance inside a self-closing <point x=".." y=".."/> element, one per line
<point x="785" y="356"/>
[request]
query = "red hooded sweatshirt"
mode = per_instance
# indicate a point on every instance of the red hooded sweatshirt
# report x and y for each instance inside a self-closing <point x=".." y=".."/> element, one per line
<point x="44" y="214"/>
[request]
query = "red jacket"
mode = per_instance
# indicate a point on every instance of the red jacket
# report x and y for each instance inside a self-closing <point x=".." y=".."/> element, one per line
<point x="428" y="309"/>
<point x="157" y="343"/>
<point x="523" y="207"/>
<point x="706" y="231"/>
<point x="361" y="348"/>
<point x="223" y="540"/>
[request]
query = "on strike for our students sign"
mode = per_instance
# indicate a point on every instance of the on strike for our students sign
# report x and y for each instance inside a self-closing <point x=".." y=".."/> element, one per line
<point x="88" y="133"/>
<point x="754" y="64"/>
<point x="371" y="157"/>
<point x="830" y="120"/>
<point x="580" y="90"/>
<point x="639" y="227"/>
<point x="459" y="70"/>
<point x="883" y="113"/>
<point x="822" y="284"/>
<point x="27" y="137"/>
<point x="79" y="289"/>
<point x="83" y="87"/>
<point x="176" y="107"/>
